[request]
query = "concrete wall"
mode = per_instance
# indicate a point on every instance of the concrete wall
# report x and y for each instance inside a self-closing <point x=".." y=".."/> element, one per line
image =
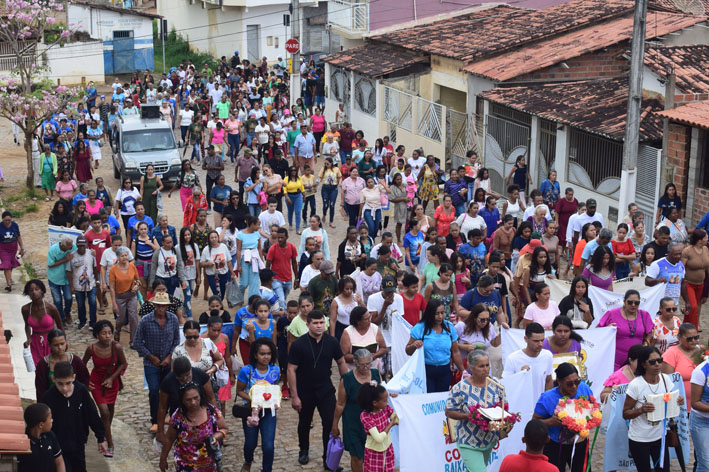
<point x="205" y="28"/>
<point x="697" y="34"/>
<point x="64" y="66"/>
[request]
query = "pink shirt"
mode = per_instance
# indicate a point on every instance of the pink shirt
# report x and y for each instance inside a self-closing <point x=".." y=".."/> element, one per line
<point x="351" y="190"/>
<point x="93" y="210"/>
<point x="318" y="123"/>
<point x="682" y="364"/>
<point x="543" y="317"/>
<point x="66" y="190"/>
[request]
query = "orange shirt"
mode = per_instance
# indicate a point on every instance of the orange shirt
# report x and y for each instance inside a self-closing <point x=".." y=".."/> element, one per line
<point x="580" y="246"/>
<point x="123" y="281"/>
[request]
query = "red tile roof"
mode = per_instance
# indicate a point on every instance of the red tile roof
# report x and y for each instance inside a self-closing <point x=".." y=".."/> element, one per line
<point x="693" y="114"/>
<point x="375" y="59"/>
<point x="596" y="106"/>
<point x="13" y="439"/>
<point x="551" y="51"/>
<point x="692" y="7"/>
<point x="482" y="33"/>
<point x="690" y="65"/>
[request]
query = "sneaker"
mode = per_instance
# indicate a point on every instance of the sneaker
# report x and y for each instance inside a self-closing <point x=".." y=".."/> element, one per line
<point x="81" y="326"/>
<point x="285" y="393"/>
<point x="302" y="457"/>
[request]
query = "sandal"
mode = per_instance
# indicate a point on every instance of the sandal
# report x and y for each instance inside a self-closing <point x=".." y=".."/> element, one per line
<point x="109" y="452"/>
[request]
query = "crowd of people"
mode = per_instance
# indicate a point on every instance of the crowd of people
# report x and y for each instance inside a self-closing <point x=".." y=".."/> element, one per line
<point x="458" y="271"/>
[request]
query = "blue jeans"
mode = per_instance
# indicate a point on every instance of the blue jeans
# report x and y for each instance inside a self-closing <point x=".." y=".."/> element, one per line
<point x="187" y="295"/>
<point x="282" y="289"/>
<point x="329" y="198"/>
<point x="249" y="138"/>
<point x="249" y="279"/>
<point x="254" y="209"/>
<point x="233" y="140"/>
<point x="460" y="209"/>
<point x="311" y="201"/>
<point x="195" y="150"/>
<point x="171" y="283"/>
<point x="61" y="295"/>
<point x="344" y="155"/>
<point x="295" y="206"/>
<point x="81" y="306"/>
<point x="372" y="223"/>
<point x="154" y="377"/>
<point x="352" y="213"/>
<point x="471" y="191"/>
<point x="267" y="426"/>
<point x="699" y="428"/>
<point x="223" y="279"/>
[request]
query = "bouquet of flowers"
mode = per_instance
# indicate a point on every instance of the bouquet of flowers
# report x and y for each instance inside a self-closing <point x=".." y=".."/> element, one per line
<point x="579" y="415"/>
<point x="494" y="418"/>
<point x="700" y="354"/>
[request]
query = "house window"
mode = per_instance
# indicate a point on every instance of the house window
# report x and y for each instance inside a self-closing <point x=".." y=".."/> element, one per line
<point x="595" y="162"/>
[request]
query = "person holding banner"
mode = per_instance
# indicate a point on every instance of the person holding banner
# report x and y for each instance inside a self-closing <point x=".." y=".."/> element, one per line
<point x="577" y="305"/>
<point x="645" y="438"/>
<point x="534" y="358"/>
<point x="564" y="339"/>
<point x="439" y="339"/>
<point x="349" y="410"/>
<point x="474" y="443"/>
<point x="625" y="374"/>
<point x="634" y="325"/>
<point x="563" y="448"/>
<point x="543" y="310"/>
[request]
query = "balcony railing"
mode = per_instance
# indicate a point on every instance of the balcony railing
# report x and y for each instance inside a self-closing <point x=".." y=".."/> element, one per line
<point x="349" y="16"/>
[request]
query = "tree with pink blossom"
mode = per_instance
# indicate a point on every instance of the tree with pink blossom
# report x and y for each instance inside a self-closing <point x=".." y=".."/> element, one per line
<point x="25" y="98"/>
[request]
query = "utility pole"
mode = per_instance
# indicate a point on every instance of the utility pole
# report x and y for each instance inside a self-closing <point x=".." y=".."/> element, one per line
<point x="628" y="177"/>
<point x="295" y="75"/>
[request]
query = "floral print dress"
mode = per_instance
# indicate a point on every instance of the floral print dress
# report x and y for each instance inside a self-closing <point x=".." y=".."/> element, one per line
<point x="190" y="452"/>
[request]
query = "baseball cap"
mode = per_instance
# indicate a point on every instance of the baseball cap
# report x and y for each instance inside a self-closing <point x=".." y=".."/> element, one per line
<point x="531" y="246"/>
<point x="591" y="202"/>
<point x="103" y="96"/>
<point x="81" y="241"/>
<point x="328" y="267"/>
<point x="248" y="151"/>
<point x="210" y="147"/>
<point x="388" y="284"/>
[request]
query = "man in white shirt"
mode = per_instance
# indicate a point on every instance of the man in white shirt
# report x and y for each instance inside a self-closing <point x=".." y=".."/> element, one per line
<point x="331" y="149"/>
<point x="538" y="201"/>
<point x="589" y="217"/>
<point x="270" y="217"/>
<point x="382" y="305"/>
<point x="580" y="210"/>
<point x="151" y="94"/>
<point x="533" y="358"/>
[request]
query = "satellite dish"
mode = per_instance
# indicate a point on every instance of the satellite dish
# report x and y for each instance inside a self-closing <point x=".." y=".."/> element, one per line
<point x="692" y="7"/>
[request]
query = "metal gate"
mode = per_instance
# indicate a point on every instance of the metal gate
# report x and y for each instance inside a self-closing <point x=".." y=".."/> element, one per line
<point x="123" y="52"/>
<point x="647" y="188"/>
<point x="505" y="141"/>
<point x="461" y="137"/>
<point x="253" y="45"/>
<point x="547" y="150"/>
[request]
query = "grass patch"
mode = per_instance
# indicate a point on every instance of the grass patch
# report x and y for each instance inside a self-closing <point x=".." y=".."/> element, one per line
<point x="14" y="198"/>
<point x="29" y="270"/>
<point x="32" y="208"/>
<point x="177" y="48"/>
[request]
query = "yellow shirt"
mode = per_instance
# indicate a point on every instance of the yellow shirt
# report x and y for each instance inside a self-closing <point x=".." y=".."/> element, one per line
<point x="308" y="181"/>
<point x="293" y="186"/>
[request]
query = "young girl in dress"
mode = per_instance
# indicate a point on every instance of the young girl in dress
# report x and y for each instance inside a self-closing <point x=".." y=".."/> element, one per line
<point x="462" y="275"/>
<point x="377" y="419"/>
<point x="221" y="341"/>
<point x="261" y="326"/>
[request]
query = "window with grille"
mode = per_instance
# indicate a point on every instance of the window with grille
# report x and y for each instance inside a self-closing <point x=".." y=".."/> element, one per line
<point x="122" y="34"/>
<point x="595" y="162"/>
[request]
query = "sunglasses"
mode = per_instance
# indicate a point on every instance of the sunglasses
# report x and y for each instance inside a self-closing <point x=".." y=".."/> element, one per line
<point x="192" y="337"/>
<point x="633" y="302"/>
<point x="655" y="361"/>
<point x="576" y="382"/>
<point x="484" y="320"/>
<point x="693" y="338"/>
<point x="671" y="308"/>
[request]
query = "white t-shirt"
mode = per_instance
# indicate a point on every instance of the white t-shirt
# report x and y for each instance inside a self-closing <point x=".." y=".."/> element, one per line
<point x="262" y="132"/>
<point x="267" y="219"/>
<point x="699" y="378"/>
<point x="476" y="337"/>
<point x="190" y="261"/>
<point x="467" y="223"/>
<point x="583" y="219"/>
<point x="570" y="227"/>
<point x="229" y="239"/>
<point x="186" y="117"/>
<point x="529" y="211"/>
<point x="109" y="258"/>
<point x="308" y="273"/>
<point x="219" y="255"/>
<point x="416" y="165"/>
<point x="540" y="366"/>
<point x="128" y="198"/>
<point x="396" y="252"/>
<point x="328" y="148"/>
<point x="375" y="304"/>
<point x="82" y="271"/>
<point x="543" y="317"/>
<point x="640" y="429"/>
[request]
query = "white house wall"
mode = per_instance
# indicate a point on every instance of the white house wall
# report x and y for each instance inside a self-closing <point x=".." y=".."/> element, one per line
<point x="101" y="24"/>
<point x="67" y="70"/>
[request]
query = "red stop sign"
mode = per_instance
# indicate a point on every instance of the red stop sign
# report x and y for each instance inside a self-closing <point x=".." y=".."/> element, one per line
<point x="292" y="46"/>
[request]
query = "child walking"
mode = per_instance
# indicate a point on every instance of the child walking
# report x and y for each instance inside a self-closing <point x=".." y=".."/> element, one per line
<point x="377" y="419"/>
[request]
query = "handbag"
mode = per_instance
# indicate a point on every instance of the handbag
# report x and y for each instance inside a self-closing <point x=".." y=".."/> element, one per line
<point x="335" y="448"/>
<point x="233" y="294"/>
<point x="242" y="410"/>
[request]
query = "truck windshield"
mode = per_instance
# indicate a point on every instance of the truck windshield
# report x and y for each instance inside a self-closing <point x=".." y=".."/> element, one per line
<point x="148" y="140"/>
